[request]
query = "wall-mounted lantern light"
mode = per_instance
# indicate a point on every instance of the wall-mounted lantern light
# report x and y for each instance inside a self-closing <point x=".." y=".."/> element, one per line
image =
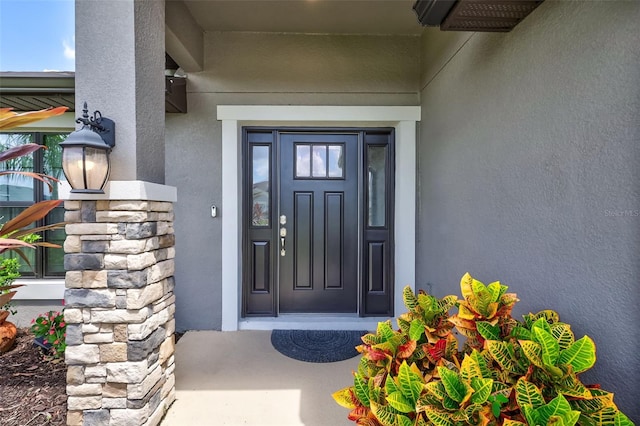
<point x="85" y="153"/>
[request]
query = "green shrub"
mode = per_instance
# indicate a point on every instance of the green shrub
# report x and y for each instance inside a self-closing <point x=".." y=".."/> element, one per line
<point x="506" y="372"/>
<point x="9" y="271"/>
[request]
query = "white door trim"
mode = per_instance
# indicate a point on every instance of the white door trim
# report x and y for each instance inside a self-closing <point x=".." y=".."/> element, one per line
<point x="234" y="117"/>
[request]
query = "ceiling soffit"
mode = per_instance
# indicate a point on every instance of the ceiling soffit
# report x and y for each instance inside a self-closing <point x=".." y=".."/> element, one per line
<point x="381" y="17"/>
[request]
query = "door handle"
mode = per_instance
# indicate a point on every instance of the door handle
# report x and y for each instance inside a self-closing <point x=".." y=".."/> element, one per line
<point x="283" y="234"/>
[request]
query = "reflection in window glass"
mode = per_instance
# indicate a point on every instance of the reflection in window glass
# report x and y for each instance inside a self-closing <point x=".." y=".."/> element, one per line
<point x="52" y="163"/>
<point x="376" y="161"/>
<point x="54" y="257"/>
<point x="336" y="161"/>
<point x="15" y="187"/>
<point x="303" y="161"/>
<point x="260" y="173"/>
<point x="319" y="167"/>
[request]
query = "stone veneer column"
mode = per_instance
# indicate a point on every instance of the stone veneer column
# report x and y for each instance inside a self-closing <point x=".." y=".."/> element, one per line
<point x="119" y="311"/>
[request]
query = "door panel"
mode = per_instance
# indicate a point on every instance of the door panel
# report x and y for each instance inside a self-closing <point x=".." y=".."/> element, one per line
<point x="319" y="197"/>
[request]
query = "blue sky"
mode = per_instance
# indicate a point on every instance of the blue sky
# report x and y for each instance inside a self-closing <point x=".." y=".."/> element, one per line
<point x="37" y="35"/>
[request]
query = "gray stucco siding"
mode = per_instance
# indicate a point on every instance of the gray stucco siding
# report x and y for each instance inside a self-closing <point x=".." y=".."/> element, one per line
<point x="528" y="165"/>
<point x="262" y="69"/>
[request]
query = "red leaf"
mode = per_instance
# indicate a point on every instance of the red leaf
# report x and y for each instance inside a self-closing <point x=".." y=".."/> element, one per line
<point x="358" y="413"/>
<point x="19" y="151"/>
<point x="405" y="351"/>
<point x="375" y="355"/>
<point x="437" y="351"/>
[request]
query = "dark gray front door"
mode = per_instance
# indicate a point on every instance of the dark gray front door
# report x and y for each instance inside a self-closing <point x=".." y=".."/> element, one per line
<point x="318" y="223"/>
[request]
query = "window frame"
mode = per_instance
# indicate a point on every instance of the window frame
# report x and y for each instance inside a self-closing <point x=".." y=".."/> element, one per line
<point x="39" y="269"/>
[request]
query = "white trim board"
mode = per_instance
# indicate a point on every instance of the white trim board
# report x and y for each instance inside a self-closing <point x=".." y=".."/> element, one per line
<point x="40" y="289"/>
<point x="234" y="117"/>
<point x="125" y="190"/>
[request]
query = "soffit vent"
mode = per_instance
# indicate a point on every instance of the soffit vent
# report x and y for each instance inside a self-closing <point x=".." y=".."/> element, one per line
<point x="474" y="15"/>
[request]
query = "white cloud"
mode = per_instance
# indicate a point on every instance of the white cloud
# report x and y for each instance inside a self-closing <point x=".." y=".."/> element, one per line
<point x="69" y="50"/>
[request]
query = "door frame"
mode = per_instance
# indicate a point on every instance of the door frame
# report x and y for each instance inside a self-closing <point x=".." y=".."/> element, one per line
<point x="371" y="255"/>
<point x="234" y="117"/>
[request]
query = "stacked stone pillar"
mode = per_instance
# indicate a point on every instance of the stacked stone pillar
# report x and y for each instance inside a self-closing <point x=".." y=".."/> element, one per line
<point x="119" y="311"/>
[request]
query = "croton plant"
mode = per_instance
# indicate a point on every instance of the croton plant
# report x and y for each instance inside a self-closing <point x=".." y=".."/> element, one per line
<point x="19" y="233"/>
<point x="501" y="372"/>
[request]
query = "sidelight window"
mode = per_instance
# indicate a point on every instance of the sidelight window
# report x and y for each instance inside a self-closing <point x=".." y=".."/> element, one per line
<point x="261" y="184"/>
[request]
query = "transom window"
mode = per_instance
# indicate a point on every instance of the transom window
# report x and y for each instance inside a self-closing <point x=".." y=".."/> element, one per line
<point x="319" y="161"/>
<point x="18" y="192"/>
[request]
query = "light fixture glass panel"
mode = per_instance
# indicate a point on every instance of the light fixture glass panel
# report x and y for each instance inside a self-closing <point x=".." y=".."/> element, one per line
<point x="72" y="165"/>
<point x="336" y="161"/>
<point x="261" y="172"/>
<point x="319" y="168"/>
<point x="96" y="166"/>
<point x="303" y="161"/>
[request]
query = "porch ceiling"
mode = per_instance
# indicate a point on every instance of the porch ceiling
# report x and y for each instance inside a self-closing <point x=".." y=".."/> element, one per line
<point x="306" y="16"/>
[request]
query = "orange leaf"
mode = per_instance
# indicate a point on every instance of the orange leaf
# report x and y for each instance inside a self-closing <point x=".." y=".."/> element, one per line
<point x="31" y="214"/>
<point x="357" y="413"/>
<point x="10" y="119"/>
<point x="405" y="351"/>
<point x="5" y="298"/>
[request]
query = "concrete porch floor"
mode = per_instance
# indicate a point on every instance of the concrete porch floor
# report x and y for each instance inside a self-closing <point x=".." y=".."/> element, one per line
<point x="238" y="378"/>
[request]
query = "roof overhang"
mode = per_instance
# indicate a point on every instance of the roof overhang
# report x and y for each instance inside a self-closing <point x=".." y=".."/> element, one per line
<point x="32" y="91"/>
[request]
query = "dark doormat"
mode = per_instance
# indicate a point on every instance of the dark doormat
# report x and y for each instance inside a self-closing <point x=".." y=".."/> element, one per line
<point x="317" y="345"/>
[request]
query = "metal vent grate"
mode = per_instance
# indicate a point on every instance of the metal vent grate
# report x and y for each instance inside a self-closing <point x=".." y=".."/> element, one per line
<point x="488" y="15"/>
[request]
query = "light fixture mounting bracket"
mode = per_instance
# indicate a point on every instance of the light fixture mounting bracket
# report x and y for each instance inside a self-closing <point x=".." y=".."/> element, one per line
<point x="103" y="126"/>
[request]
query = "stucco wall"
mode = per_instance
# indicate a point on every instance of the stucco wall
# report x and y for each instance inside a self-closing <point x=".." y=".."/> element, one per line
<point x="262" y="69"/>
<point x="529" y="168"/>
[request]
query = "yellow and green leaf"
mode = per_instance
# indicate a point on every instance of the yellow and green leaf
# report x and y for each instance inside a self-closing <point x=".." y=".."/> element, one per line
<point x="410" y="383"/>
<point x="482" y="389"/>
<point x="437" y="389"/>
<point x="385" y="415"/>
<point x="416" y="330"/>
<point x="456" y="388"/>
<point x="599" y="400"/>
<point x="581" y="355"/>
<point x="439" y="418"/>
<point x="344" y="398"/>
<point x="533" y="351"/>
<point x="400" y="402"/>
<point x="509" y="422"/>
<point x="550" y="348"/>
<point x="488" y="331"/>
<point x="528" y="394"/>
<point x="563" y="334"/>
<point x="361" y="389"/>
<point x="558" y="406"/>
<point x="502" y="353"/>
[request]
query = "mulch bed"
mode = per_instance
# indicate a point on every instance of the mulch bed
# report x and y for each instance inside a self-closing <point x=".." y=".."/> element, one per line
<point x="32" y="386"/>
